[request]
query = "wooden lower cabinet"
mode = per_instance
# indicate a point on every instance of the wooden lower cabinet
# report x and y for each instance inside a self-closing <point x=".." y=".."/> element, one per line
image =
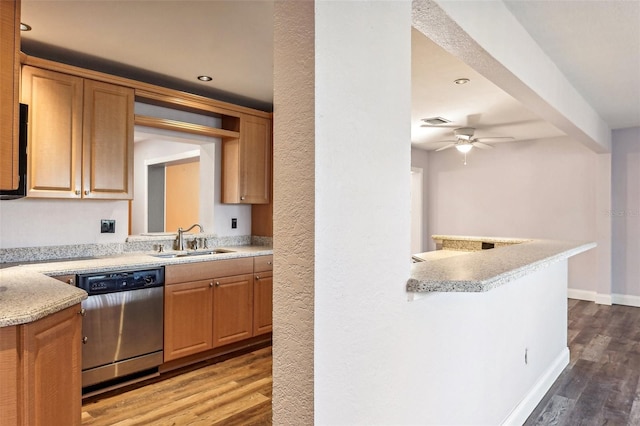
<point x="47" y="385"/>
<point x="232" y="309"/>
<point x="262" y="303"/>
<point x="188" y="319"/>
<point x="212" y="304"/>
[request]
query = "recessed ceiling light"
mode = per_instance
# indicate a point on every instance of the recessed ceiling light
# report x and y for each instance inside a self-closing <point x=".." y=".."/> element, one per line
<point x="24" y="27"/>
<point x="461" y="81"/>
<point x="204" y="78"/>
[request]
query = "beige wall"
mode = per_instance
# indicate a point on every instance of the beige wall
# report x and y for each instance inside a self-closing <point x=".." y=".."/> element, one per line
<point x="293" y="211"/>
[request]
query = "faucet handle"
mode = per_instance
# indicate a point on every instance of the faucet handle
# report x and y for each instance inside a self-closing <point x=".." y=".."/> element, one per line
<point x="204" y="243"/>
<point x="194" y="244"/>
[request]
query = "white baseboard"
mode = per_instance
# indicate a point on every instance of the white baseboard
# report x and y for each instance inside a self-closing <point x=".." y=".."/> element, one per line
<point x="524" y="409"/>
<point x="604" y="299"/>
<point x="625" y="299"/>
<point x="589" y="296"/>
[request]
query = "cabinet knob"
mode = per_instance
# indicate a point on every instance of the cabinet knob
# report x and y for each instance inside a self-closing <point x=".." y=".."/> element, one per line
<point x="86" y="192"/>
<point x="70" y="281"/>
<point x="210" y="284"/>
<point x="257" y="277"/>
<point x="242" y="198"/>
<point x="83" y="312"/>
<point x="269" y="263"/>
<point x="217" y="283"/>
<point x="77" y="192"/>
<point x="85" y="339"/>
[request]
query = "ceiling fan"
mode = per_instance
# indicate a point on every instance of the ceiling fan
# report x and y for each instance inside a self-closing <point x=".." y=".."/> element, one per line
<point x="465" y="141"/>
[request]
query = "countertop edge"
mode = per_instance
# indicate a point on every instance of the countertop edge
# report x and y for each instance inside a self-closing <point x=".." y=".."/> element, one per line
<point x="422" y="283"/>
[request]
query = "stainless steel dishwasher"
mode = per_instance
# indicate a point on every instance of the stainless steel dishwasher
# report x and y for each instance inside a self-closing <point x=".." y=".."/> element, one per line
<point x="122" y="324"/>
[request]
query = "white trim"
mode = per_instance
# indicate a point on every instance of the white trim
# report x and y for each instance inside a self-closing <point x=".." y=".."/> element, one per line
<point x="524" y="409"/>
<point x="626" y="299"/>
<point x="603" y="299"/>
<point x="589" y="296"/>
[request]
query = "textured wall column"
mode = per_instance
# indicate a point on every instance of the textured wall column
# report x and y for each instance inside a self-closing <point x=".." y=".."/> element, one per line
<point x="293" y="213"/>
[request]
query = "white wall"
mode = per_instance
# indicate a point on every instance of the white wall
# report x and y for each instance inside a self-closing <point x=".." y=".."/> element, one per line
<point x="362" y="241"/>
<point x="625" y="213"/>
<point x="33" y="223"/>
<point x="535" y="189"/>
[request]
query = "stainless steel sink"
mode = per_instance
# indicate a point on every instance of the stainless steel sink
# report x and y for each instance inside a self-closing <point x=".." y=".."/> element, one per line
<point x="191" y="253"/>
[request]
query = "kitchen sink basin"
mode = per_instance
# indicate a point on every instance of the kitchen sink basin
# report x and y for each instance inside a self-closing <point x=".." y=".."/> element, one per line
<point x="191" y="253"/>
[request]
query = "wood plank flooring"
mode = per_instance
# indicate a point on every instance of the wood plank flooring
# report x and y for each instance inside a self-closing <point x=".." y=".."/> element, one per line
<point x="232" y="392"/>
<point x="601" y="385"/>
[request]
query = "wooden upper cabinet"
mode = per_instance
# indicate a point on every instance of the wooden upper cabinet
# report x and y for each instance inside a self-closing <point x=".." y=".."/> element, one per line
<point x="80" y="136"/>
<point x="55" y="132"/>
<point x="9" y="79"/>
<point x="107" y="141"/>
<point x="246" y="163"/>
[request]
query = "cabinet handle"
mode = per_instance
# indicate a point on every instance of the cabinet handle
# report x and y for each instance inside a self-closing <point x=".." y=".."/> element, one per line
<point x="83" y="312"/>
<point x="84" y="340"/>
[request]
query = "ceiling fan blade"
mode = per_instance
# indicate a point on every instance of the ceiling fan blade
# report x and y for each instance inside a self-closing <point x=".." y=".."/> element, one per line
<point x="481" y="145"/>
<point x="446" y="141"/>
<point x="446" y="147"/>
<point x="496" y="139"/>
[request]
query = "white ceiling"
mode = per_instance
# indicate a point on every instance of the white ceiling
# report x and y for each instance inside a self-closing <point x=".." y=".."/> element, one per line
<point x="596" y="44"/>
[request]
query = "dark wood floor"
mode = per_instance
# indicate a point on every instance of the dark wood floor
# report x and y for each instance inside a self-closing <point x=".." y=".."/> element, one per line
<point x="601" y="384"/>
<point x="233" y="392"/>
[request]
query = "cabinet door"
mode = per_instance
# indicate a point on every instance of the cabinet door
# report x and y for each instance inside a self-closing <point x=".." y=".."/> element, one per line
<point x="107" y="141"/>
<point x="246" y="163"/>
<point x="55" y="133"/>
<point x="255" y="159"/>
<point x="9" y="372"/>
<point x="187" y="318"/>
<point x="9" y="72"/>
<point x="232" y="309"/>
<point x="262" y="303"/>
<point x="52" y="369"/>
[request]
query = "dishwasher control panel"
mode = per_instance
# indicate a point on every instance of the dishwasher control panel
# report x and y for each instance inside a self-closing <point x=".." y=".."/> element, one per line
<point x="110" y="282"/>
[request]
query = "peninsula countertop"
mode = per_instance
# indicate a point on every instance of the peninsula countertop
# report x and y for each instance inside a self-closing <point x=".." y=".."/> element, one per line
<point x="28" y="292"/>
<point x="479" y="271"/>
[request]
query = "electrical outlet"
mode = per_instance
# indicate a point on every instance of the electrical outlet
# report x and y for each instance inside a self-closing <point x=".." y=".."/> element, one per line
<point x="107" y="226"/>
<point x="234" y="223"/>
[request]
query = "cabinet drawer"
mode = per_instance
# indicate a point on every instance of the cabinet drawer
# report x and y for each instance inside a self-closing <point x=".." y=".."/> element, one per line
<point x="263" y="263"/>
<point x="203" y="270"/>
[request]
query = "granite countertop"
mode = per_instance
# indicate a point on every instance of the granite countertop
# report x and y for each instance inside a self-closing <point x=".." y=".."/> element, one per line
<point x="484" y="270"/>
<point x="28" y="293"/>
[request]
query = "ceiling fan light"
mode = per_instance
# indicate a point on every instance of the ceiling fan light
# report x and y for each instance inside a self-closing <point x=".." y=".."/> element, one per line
<point x="464" y="147"/>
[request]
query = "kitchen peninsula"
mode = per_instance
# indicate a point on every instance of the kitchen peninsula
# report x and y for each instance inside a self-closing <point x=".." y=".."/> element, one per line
<point x="497" y="317"/>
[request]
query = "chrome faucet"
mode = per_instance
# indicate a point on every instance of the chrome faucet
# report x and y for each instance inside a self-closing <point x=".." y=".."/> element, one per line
<point x="182" y="231"/>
